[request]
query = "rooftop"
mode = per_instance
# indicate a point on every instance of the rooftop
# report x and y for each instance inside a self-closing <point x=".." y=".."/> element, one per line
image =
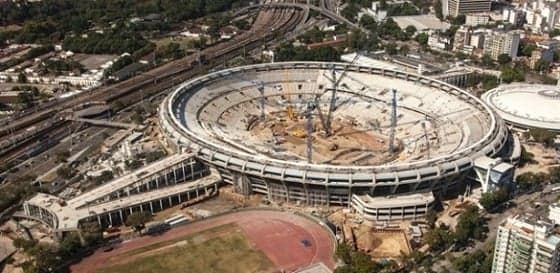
<point x="527" y="105"/>
<point x="392" y="201"/>
<point x="421" y="22"/>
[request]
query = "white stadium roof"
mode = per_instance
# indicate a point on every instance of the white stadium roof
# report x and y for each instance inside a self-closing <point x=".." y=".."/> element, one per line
<point x="527" y="105"/>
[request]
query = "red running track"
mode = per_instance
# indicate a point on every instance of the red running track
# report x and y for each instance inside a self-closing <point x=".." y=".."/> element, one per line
<point x="278" y="234"/>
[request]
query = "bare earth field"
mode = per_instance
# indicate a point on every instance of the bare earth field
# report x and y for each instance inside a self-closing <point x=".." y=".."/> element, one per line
<point x="383" y="244"/>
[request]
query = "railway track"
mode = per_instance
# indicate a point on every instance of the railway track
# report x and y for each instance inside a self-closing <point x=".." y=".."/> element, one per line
<point x="269" y="23"/>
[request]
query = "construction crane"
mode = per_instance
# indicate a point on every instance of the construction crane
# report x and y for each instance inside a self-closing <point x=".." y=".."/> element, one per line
<point x="327" y="124"/>
<point x="332" y="101"/>
<point x="290" y="110"/>
<point x="260" y="86"/>
<point x="393" y="121"/>
<point x="309" y="130"/>
<point x="426" y="138"/>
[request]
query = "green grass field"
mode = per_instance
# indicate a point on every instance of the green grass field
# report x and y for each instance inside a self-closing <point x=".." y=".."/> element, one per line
<point x="222" y="249"/>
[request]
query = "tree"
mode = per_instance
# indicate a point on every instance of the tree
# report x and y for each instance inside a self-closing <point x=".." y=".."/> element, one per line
<point x="530" y="180"/>
<point x="64" y="172"/>
<point x="438" y="8"/>
<point x="504" y="59"/>
<point x="410" y="30"/>
<point x="526" y="157"/>
<point x="22" y="78"/>
<point x="554" y="175"/>
<point x="459" y="20"/>
<point x="422" y="38"/>
<point x="543" y="136"/>
<point x="526" y="49"/>
<point x="487" y="60"/>
<point x="404" y="49"/>
<point x="542" y="65"/>
<point x="391" y="48"/>
<point x="470" y="225"/>
<point x="25" y="98"/>
<point x="439" y="239"/>
<point x="137" y="219"/>
<point x="510" y="74"/>
<point x="431" y="217"/>
<point x="344" y="252"/>
<point x="490" y="200"/>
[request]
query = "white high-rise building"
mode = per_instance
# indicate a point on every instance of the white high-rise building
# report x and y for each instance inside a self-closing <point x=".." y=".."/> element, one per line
<point x="527" y="246"/>
<point x="501" y="43"/>
<point x="458" y="7"/>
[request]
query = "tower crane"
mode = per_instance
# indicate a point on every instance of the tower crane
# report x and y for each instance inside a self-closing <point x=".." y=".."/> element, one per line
<point x="288" y="95"/>
<point x="393" y="121"/>
<point x="260" y="86"/>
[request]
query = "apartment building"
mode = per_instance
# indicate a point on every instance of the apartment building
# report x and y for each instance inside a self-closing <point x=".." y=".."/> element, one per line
<point x="526" y="245"/>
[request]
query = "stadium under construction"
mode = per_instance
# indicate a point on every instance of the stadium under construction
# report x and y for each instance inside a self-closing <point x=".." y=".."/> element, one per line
<point x="384" y="142"/>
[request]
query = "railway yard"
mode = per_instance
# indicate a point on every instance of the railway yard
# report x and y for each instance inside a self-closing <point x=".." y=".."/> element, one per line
<point x="28" y="135"/>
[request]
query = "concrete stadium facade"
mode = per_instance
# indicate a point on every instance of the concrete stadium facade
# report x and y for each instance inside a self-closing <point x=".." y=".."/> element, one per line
<point x="326" y="184"/>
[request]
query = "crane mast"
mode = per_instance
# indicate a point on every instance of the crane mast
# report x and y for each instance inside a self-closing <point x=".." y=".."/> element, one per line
<point x="393" y="121"/>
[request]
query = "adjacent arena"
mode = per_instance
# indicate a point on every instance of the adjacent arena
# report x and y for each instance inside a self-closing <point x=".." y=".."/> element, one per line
<point x="440" y="130"/>
<point x="527" y="105"/>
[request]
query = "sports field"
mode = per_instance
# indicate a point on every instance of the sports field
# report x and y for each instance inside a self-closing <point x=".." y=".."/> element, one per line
<point x="244" y="241"/>
<point x="221" y="249"/>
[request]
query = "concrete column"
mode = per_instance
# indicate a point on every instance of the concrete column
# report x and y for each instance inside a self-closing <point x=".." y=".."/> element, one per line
<point x="148" y="185"/>
<point x="175" y="176"/>
<point x="170" y="201"/>
<point x="188" y="195"/>
<point x="166" y="180"/>
<point x="161" y="204"/>
<point x="130" y="210"/>
<point x="157" y="182"/>
<point x="110" y="219"/>
<point x="179" y="197"/>
<point x="141" y="207"/>
<point x="183" y="168"/>
<point x="192" y="170"/>
<point x="151" y="207"/>
<point x="99" y="220"/>
<point x="121" y="216"/>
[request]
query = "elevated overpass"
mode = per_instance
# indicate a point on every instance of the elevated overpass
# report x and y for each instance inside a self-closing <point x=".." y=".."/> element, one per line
<point x="323" y="9"/>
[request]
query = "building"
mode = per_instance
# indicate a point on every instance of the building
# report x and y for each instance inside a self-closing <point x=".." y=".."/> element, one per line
<point x="499" y="43"/>
<point x="551" y="44"/>
<point x="477" y="19"/>
<point x="422" y="23"/>
<point x="526" y="245"/>
<point x="541" y="16"/>
<point x="554" y="213"/>
<point x="458" y="7"/>
<point x="513" y="16"/>
<point x="462" y="38"/>
<point x="477" y="38"/>
<point x="493" y="173"/>
<point x="438" y="42"/>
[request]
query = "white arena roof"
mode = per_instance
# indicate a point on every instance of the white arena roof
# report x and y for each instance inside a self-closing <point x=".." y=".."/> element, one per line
<point x="527" y="105"/>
